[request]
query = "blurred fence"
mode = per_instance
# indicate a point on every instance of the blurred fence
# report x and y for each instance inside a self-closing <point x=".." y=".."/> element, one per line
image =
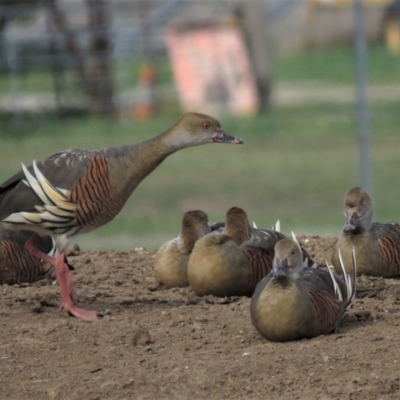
<point x="111" y="57"/>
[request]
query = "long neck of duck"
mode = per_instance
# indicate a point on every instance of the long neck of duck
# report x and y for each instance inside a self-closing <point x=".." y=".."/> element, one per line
<point x="186" y="240"/>
<point x="239" y="232"/>
<point x="136" y="161"/>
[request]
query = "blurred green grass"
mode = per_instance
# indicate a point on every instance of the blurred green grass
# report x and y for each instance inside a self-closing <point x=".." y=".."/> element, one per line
<point x="336" y="65"/>
<point x="295" y="165"/>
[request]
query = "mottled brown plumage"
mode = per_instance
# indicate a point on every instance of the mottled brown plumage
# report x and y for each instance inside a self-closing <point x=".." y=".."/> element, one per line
<point x="377" y="245"/>
<point x="231" y="262"/>
<point x="16" y="264"/>
<point x="294" y="302"/>
<point x="77" y="191"/>
<point x="173" y="256"/>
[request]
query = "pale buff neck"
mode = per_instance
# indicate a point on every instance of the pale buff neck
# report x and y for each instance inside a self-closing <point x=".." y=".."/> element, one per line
<point x="130" y="164"/>
<point x="239" y="231"/>
<point x="186" y="240"/>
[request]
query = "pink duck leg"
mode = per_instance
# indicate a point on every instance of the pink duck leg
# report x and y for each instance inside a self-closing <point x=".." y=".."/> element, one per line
<point x="30" y="246"/>
<point x="65" y="281"/>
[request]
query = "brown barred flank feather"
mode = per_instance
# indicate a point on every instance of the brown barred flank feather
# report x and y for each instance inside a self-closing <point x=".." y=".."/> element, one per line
<point x="91" y="194"/>
<point x="259" y="264"/>
<point x="390" y="249"/>
<point x="328" y="310"/>
<point x="18" y="265"/>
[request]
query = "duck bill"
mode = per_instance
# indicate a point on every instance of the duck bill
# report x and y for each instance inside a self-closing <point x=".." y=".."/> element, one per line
<point x="223" y="137"/>
<point x="281" y="266"/>
<point x="351" y="224"/>
<point x="281" y="270"/>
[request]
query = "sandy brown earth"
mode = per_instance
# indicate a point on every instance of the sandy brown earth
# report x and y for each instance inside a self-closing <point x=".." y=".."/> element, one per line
<point x="154" y="343"/>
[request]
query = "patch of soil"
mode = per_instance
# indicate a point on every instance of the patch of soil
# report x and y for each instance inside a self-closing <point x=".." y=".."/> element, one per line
<point x="155" y="343"/>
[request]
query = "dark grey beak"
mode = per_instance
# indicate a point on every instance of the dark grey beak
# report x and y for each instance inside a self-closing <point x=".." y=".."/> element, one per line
<point x="280" y="271"/>
<point x="351" y="223"/>
<point x="223" y="137"/>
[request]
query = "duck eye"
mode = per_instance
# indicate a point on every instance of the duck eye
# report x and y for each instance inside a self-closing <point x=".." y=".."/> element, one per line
<point x="206" y="125"/>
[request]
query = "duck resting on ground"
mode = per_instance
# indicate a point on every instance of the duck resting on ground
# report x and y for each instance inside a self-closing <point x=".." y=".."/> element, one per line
<point x="172" y="257"/>
<point x="377" y="245"/>
<point x="232" y="260"/>
<point x="16" y="264"/>
<point x="294" y="302"/>
<point x="77" y="191"/>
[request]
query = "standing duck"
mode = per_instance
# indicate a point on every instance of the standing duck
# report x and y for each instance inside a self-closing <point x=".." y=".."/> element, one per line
<point x="173" y="256"/>
<point x="77" y="191"/>
<point x="230" y="262"/>
<point x="16" y="264"/>
<point x="294" y="302"/>
<point x="377" y="245"/>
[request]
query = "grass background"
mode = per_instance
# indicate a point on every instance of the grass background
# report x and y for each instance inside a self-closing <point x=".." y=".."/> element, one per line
<point x="296" y="164"/>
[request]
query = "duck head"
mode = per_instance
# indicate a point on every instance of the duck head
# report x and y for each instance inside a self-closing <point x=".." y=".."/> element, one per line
<point x="288" y="259"/>
<point x="195" y="129"/>
<point x="357" y="210"/>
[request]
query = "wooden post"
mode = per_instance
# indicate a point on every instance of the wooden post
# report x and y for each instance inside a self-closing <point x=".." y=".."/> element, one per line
<point x="60" y="24"/>
<point x="95" y="76"/>
<point x="363" y="126"/>
<point x="99" y="68"/>
<point x="55" y="65"/>
<point x="254" y="24"/>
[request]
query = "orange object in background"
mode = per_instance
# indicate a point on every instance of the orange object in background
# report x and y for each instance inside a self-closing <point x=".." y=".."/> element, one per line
<point x="392" y="35"/>
<point x="145" y="105"/>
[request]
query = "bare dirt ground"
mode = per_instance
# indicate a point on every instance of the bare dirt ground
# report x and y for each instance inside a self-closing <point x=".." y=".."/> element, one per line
<point x="154" y="343"/>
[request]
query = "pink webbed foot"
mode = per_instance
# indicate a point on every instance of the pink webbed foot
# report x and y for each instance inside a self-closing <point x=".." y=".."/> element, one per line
<point x="78" y="312"/>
